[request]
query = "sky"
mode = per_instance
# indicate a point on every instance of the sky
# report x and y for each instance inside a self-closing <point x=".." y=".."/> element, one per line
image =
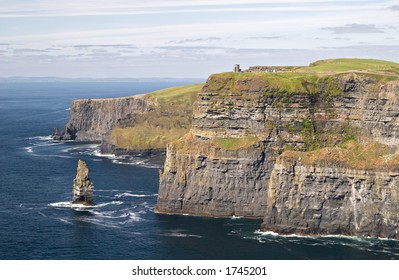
<point x="188" y="39"/>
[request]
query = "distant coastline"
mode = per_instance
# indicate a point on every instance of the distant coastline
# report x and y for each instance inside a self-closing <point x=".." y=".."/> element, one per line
<point x="97" y="80"/>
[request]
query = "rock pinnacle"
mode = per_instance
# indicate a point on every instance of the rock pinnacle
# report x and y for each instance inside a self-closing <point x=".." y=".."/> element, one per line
<point x="83" y="188"/>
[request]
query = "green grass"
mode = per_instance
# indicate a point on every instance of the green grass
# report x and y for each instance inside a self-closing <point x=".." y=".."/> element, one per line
<point x="233" y="83"/>
<point x="171" y="116"/>
<point x="279" y="86"/>
<point x="235" y="143"/>
<point x="350" y="64"/>
<point x="170" y="119"/>
<point x="321" y="77"/>
<point x="352" y="155"/>
<point x="175" y="93"/>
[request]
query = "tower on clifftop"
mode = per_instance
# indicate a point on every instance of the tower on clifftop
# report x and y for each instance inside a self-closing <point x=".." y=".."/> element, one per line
<point x="237" y="68"/>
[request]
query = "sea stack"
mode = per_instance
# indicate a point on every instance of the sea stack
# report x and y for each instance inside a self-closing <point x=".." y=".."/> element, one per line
<point x="56" y="134"/>
<point x="83" y="188"/>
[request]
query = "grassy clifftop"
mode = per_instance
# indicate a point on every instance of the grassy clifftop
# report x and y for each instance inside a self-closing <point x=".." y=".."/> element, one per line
<point x="321" y="84"/>
<point x="318" y="76"/>
<point x="322" y="81"/>
<point x="170" y="119"/>
<point x="351" y="64"/>
<point x="270" y="83"/>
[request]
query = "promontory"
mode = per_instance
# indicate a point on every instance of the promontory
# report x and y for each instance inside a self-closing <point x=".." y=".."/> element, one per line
<point x="309" y="150"/>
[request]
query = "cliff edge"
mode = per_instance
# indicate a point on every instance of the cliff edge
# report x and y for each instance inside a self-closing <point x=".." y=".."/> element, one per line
<point x="310" y="152"/>
<point x="142" y="122"/>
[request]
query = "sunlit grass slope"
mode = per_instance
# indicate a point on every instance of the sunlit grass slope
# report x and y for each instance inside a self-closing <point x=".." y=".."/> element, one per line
<point x="351" y="64"/>
<point x="170" y="119"/>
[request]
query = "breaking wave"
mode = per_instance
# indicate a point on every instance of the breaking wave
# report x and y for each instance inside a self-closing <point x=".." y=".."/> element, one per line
<point x="180" y="234"/>
<point x="41" y="138"/>
<point x="126" y="194"/>
<point x="68" y="204"/>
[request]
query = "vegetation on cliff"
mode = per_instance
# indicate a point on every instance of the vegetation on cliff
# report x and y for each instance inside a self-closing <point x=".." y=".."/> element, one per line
<point x="352" y="155"/>
<point x="169" y="119"/>
<point x="314" y="91"/>
<point x="235" y="143"/>
<point x="237" y="110"/>
<point x="314" y="153"/>
<point x="266" y="83"/>
<point x="320" y="77"/>
<point x="351" y="64"/>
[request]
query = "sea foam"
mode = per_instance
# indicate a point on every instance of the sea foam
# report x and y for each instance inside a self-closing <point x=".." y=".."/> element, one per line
<point x="68" y="204"/>
<point x="125" y="194"/>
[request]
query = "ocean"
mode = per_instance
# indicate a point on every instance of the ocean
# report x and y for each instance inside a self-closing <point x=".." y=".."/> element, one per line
<point x="37" y="220"/>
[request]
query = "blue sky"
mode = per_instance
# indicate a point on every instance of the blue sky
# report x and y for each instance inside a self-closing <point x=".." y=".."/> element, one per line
<point x="181" y="38"/>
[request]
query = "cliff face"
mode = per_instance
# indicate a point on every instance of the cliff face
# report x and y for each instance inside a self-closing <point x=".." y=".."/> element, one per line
<point x="90" y="119"/>
<point x="140" y="123"/>
<point x="311" y="154"/>
<point x="206" y="180"/>
<point x="331" y="200"/>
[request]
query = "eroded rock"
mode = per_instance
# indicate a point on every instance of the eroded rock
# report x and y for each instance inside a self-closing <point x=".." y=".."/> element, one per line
<point x="83" y="188"/>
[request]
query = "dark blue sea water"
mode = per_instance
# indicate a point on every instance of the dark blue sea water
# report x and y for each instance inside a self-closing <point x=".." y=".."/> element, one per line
<point x="38" y="222"/>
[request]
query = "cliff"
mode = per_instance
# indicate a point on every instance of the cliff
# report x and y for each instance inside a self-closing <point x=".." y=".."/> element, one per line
<point x="169" y="118"/>
<point x="306" y="199"/>
<point x="90" y="119"/>
<point x="310" y="152"/>
<point x="143" y="122"/>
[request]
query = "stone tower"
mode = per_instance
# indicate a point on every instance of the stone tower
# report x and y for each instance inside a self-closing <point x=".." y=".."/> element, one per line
<point x="237" y="68"/>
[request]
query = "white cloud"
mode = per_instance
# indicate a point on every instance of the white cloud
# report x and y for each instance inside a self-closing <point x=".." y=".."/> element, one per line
<point x="42" y="8"/>
<point x="174" y="32"/>
<point x="156" y="34"/>
<point x="355" y="28"/>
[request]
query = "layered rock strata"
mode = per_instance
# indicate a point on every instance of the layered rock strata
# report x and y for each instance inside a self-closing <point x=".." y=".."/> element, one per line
<point x="332" y="200"/>
<point x="82" y="189"/>
<point x="91" y="119"/>
<point x="130" y="125"/>
<point x="232" y="161"/>
<point x="208" y="181"/>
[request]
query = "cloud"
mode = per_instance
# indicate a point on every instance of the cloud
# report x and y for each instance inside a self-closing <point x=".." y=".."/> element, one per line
<point x="381" y="49"/>
<point x="118" y="46"/>
<point x="354" y="28"/>
<point x="53" y="49"/>
<point x="195" y="40"/>
<point x="192" y="50"/>
<point x="191" y="47"/>
<point x="27" y="50"/>
<point x="342" y="39"/>
<point x="195" y="44"/>
<point x="394" y="8"/>
<point x="45" y="8"/>
<point x="190" y="62"/>
<point x="264" y="37"/>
